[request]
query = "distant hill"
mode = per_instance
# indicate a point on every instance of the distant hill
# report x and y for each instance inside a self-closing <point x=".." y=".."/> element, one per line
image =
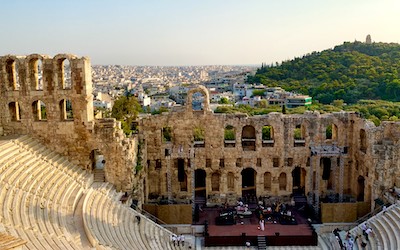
<point x="351" y="71"/>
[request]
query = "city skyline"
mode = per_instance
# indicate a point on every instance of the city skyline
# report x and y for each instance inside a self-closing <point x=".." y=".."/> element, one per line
<point x="181" y="33"/>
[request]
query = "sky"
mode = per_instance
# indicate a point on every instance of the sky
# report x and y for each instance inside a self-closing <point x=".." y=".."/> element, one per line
<point x="189" y="32"/>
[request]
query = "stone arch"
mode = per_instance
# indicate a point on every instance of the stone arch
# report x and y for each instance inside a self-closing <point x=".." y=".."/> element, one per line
<point x="206" y="101"/>
<point x="267" y="181"/>
<point x="166" y="134"/>
<point x="331" y="132"/>
<point x="299" y="132"/>
<point x="229" y="133"/>
<point x="360" y="188"/>
<point x="299" y="135"/>
<point x="64" y="72"/>
<point x="97" y="159"/>
<point x="248" y="182"/>
<point x="98" y="165"/>
<point x="231" y="181"/>
<point x="229" y="136"/>
<point x="12" y="73"/>
<point x="35" y="71"/>
<point x="200" y="183"/>
<point x="66" y="110"/>
<point x="14" y="111"/>
<point x="267" y="132"/>
<point x="215" y="181"/>
<point x="39" y="110"/>
<point x="249" y="138"/>
<point x="198" y="136"/>
<point x="282" y="181"/>
<point x="299" y="180"/>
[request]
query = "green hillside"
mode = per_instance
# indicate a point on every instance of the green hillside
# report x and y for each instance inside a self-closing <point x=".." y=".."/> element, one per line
<point x="351" y="72"/>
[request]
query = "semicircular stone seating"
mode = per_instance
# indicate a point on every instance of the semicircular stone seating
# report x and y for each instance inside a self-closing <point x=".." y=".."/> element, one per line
<point x="40" y="190"/>
<point x="386" y="229"/>
<point x="110" y="224"/>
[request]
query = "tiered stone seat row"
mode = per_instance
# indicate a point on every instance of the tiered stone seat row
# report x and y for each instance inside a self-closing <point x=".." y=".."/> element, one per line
<point x="386" y="229"/>
<point x="110" y="224"/>
<point x="39" y="193"/>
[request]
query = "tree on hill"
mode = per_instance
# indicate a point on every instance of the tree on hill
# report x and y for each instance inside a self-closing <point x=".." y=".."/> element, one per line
<point x="351" y="71"/>
<point x="126" y="110"/>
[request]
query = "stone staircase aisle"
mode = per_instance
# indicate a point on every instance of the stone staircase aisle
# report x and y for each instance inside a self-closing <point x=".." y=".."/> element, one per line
<point x="262" y="244"/>
<point x="99" y="175"/>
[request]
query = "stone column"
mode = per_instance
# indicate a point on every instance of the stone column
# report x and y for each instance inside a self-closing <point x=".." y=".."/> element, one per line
<point x="310" y="181"/>
<point x="341" y="178"/>
<point x="334" y="161"/>
<point x="169" y="179"/>
<point x="238" y="185"/>
<point x="192" y="180"/>
<point x="317" y="183"/>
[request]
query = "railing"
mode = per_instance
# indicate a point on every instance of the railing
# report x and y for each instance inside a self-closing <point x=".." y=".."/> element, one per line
<point x="367" y="216"/>
<point x="148" y="215"/>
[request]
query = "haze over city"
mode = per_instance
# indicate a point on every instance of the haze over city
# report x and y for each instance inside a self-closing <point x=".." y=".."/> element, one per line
<point x="192" y="32"/>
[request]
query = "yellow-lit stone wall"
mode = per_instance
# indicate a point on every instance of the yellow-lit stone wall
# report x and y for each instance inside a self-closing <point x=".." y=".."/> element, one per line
<point x="373" y="157"/>
<point x="67" y="125"/>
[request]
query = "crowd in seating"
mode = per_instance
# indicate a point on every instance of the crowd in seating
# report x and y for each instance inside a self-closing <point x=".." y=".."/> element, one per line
<point x="381" y="231"/>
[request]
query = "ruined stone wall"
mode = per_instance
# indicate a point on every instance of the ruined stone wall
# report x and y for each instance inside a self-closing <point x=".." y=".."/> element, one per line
<point x="53" y="103"/>
<point x="278" y="156"/>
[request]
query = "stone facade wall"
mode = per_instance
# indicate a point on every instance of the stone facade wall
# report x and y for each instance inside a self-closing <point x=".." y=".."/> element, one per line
<point x="373" y="156"/>
<point x="67" y="125"/>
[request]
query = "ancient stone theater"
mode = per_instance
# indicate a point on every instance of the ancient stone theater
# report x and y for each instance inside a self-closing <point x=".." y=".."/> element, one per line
<point x="70" y="181"/>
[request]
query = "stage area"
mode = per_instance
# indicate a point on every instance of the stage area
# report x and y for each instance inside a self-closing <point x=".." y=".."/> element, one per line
<point x="247" y="228"/>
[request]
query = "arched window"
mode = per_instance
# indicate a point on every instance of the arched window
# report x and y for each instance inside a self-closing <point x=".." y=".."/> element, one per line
<point x="331" y="132"/>
<point x="66" y="110"/>
<point x="267" y="181"/>
<point x="12" y="74"/>
<point x="215" y="181"/>
<point x="64" y="73"/>
<point x="14" y="111"/>
<point x="36" y="74"/>
<point x="267" y="135"/>
<point x="298" y="135"/>
<point x="248" y="138"/>
<point x="282" y="181"/>
<point x="97" y="159"/>
<point x="229" y="136"/>
<point x="67" y="80"/>
<point x="39" y="110"/>
<point x="167" y="134"/>
<point x="229" y="133"/>
<point x="197" y="101"/>
<point x="363" y="140"/>
<point x="231" y="181"/>
<point x="198" y="136"/>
